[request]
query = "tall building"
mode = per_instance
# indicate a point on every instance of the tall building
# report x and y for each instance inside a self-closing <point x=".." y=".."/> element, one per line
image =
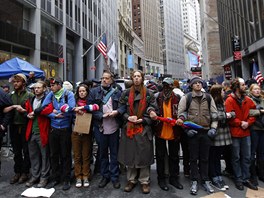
<point x="211" y="67"/>
<point x="147" y="25"/>
<point x="172" y="38"/>
<point x="59" y="36"/>
<point x="245" y="20"/>
<point x="192" y="35"/>
<point x="125" y="37"/>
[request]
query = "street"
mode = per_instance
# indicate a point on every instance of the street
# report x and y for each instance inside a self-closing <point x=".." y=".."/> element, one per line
<point x="7" y="190"/>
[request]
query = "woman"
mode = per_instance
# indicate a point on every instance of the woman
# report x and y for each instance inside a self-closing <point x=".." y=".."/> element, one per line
<point x="257" y="134"/>
<point x="136" y="143"/>
<point x="81" y="142"/>
<point x="222" y="139"/>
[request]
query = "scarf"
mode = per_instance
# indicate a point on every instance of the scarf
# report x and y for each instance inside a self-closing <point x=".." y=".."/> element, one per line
<point x="167" y="94"/>
<point x="132" y="128"/>
<point x="58" y="94"/>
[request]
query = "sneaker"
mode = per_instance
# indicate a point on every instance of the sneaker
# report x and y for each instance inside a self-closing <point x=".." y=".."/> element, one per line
<point x="223" y="183"/>
<point x="207" y="187"/>
<point x="78" y="183"/>
<point x="86" y="183"/>
<point x="194" y="188"/>
<point x="218" y="185"/>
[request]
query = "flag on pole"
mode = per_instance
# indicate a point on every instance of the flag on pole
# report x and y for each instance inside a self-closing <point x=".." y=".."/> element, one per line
<point x="256" y="74"/>
<point x="112" y="53"/>
<point x="102" y="46"/>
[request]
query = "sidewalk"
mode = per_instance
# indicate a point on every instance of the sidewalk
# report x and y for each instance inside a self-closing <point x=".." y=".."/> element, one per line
<point x="7" y="190"/>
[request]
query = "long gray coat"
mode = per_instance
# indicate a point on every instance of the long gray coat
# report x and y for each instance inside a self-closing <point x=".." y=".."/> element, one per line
<point x="138" y="151"/>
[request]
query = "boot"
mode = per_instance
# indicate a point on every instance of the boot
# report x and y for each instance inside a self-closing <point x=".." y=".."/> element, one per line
<point x="261" y="170"/>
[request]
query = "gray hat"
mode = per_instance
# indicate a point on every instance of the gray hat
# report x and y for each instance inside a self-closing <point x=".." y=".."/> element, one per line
<point x="195" y="79"/>
<point x="169" y="81"/>
<point x="56" y="81"/>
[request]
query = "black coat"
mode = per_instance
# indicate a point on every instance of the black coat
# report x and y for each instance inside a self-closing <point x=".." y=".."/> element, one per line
<point x="5" y="118"/>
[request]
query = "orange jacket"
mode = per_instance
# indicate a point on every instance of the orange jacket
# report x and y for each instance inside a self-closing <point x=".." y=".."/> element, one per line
<point x="242" y="114"/>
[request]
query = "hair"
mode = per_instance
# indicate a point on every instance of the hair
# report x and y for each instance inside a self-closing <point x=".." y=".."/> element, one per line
<point x="44" y="85"/>
<point x="141" y="73"/>
<point x="77" y="97"/>
<point x="216" y="93"/>
<point x="255" y="85"/>
<point x="235" y="84"/>
<point x="110" y="73"/>
<point x="176" y="84"/>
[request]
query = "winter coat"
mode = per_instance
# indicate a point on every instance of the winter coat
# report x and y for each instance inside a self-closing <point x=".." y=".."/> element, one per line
<point x="241" y="108"/>
<point x="5" y="118"/>
<point x="259" y="124"/>
<point x="43" y="121"/>
<point x="137" y="152"/>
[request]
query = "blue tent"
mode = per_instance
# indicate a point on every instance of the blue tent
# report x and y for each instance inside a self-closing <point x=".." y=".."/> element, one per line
<point x="16" y="65"/>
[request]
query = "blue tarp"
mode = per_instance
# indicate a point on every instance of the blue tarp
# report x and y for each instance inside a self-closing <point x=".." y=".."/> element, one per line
<point x="16" y="65"/>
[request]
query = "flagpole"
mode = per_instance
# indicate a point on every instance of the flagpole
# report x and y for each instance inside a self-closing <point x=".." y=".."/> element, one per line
<point x="92" y="45"/>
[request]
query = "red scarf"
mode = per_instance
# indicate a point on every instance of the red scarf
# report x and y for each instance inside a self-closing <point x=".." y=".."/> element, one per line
<point x="132" y="128"/>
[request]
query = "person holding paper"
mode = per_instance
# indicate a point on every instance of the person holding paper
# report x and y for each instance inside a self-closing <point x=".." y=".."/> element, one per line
<point x="81" y="142"/>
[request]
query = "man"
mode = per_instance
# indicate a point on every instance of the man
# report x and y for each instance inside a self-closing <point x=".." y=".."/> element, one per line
<point x="5" y="118"/>
<point x="37" y="136"/>
<point x="200" y="110"/>
<point x="167" y="102"/>
<point x="6" y="88"/>
<point x="18" y="129"/>
<point x="106" y="128"/>
<point x="239" y="103"/>
<point x="60" y="134"/>
<point x="31" y="78"/>
<point x="136" y="143"/>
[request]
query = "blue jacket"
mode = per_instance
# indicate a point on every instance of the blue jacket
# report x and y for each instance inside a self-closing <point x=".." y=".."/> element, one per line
<point x="66" y="121"/>
<point x="96" y="96"/>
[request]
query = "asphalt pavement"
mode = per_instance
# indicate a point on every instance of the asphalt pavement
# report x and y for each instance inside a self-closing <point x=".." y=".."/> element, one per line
<point x="7" y="190"/>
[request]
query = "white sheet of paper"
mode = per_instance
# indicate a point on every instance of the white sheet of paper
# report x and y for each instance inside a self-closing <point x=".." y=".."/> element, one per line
<point x="38" y="192"/>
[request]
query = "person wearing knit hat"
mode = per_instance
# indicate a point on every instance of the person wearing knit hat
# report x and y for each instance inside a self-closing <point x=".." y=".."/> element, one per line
<point x="195" y="79"/>
<point x="67" y="85"/>
<point x="20" y="76"/>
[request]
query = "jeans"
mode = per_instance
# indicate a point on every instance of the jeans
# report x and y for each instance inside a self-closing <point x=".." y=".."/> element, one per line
<point x="20" y="148"/>
<point x="241" y="158"/>
<point x="199" y="146"/>
<point x="109" y="168"/>
<point x="60" y="153"/>
<point x="173" y="155"/>
<point x="257" y="145"/>
<point x="215" y="160"/>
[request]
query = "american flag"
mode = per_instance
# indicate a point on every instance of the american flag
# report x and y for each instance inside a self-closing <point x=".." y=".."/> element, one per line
<point x="257" y="74"/>
<point x="102" y="46"/>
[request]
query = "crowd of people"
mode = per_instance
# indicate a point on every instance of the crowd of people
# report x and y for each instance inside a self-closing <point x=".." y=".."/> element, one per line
<point x="220" y="122"/>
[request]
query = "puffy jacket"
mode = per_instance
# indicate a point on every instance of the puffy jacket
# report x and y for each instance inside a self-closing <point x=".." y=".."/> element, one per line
<point x="241" y="108"/>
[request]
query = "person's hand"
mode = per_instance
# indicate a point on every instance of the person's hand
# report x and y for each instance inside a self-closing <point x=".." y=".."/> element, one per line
<point x="77" y="109"/>
<point x="191" y="132"/>
<point x="59" y="115"/>
<point x="31" y="115"/>
<point x="55" y="111"/>
<point x="132" y="119"/>
<point x="244" y="125"/>
<point x="212" y="133"/>
<point x="153" y="115"/>
<point x="2" y="128"/>
<point x="106" y="114"/>
<point x="20" y="109"/>
<point x="139" y="121"/>
<point x="228" y="115"/>
<point x="113" y="114"/>
<point x="179" y="121"/>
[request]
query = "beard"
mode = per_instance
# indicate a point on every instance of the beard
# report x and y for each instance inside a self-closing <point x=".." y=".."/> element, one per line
<point x="242" y="92"/>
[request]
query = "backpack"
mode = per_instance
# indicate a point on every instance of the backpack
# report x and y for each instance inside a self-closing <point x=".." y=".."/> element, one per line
<point x="189" y="100"/>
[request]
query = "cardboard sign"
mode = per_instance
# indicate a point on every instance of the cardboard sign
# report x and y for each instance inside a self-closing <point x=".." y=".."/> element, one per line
<point x="83" y="123"/>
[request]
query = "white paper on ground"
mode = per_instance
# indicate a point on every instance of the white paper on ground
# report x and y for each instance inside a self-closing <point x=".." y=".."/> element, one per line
<point x="38" y="192"/>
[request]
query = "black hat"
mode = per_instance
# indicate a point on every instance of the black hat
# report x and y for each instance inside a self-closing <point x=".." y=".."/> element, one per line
<point x="56" y="81"/>
<point x="195" y="79"/>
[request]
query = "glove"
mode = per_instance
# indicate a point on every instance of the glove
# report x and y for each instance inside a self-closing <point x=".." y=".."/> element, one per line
<point x="191" y="132"/>
<point x="64" y="108"/>
<point x="93" y="107"/>
<point x="212" y="133"/>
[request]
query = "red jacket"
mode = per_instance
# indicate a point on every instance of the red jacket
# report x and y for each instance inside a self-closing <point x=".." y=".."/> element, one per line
<point x="43" y="122"/>
<point x="242" y="114"/>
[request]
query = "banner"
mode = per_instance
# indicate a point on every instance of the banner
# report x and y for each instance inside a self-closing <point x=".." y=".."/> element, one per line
<point x="193" y="59"/>
<point x="130" y="62"/>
